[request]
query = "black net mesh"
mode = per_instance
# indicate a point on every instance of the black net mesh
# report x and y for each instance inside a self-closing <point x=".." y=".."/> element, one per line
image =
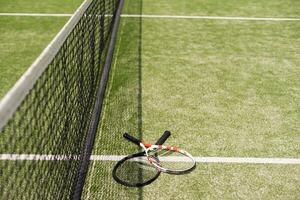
<point x="42" y="144"/>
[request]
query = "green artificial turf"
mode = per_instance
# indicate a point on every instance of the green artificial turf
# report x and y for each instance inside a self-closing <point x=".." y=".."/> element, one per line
<point x="39" y="6"/>
<point x="228" y="181"/>
<point x="207" y="181"/>
<point x="245" y="8"/>
<point x="224" y="88"/>
<point x="22" y="40"/>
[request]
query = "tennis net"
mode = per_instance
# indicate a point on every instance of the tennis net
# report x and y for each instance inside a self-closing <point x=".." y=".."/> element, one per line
<point x="48" y="120"/>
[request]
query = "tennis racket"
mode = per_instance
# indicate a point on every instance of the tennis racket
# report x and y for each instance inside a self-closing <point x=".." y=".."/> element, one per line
<point x="165" y="158"/>
<point x="135" y="170"/>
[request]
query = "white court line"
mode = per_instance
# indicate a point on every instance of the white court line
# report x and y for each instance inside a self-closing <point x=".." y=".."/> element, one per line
<point x="160" y="16"/>
<point x="249" y="160"/>
<point x="36" y="14"/>
<point x="213" y="17"/>
<point x="13" y="157"/>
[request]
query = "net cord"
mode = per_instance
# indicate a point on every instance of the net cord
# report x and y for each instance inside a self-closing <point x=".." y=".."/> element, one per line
<point x="98" y="107"/>
<point x="13" y="99"/>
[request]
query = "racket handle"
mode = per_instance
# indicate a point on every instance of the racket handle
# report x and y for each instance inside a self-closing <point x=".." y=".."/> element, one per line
<point x="163" y="138"/>
<point x="132" y="139"/>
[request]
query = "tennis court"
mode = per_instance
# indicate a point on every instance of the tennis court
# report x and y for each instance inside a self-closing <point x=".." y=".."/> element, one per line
<point x="222" y="76"/>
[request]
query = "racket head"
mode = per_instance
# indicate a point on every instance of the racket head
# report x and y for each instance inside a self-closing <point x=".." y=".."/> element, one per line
<point x="135" y="171"/>
<point x="170" y="160"/>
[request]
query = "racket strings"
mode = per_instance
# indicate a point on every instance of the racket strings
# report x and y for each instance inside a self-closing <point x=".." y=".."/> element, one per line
<point x="136" y="171"/>
<point x="171" y="161"/>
